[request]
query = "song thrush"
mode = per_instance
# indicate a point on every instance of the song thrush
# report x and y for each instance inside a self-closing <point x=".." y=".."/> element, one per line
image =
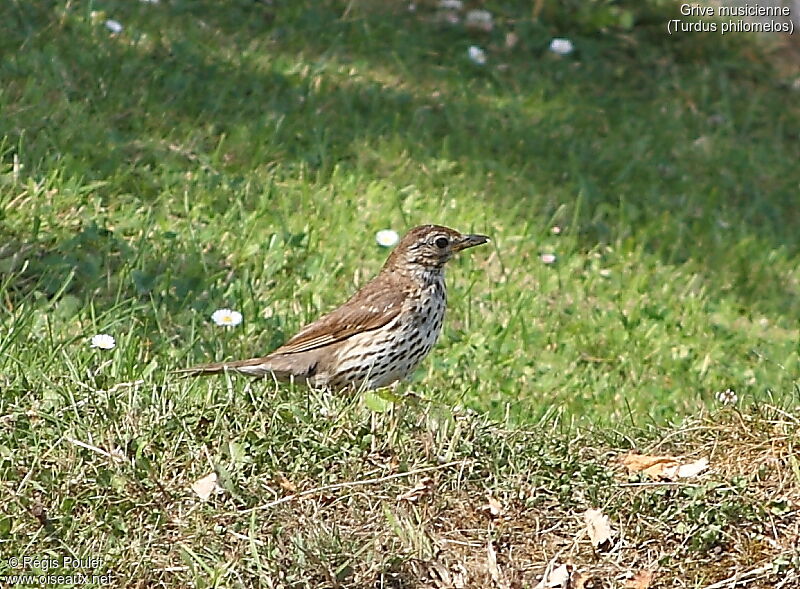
<point x="382" y="333"/>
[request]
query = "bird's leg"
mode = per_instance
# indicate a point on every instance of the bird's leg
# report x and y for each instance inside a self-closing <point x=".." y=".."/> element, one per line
<point x="407" y="393"/>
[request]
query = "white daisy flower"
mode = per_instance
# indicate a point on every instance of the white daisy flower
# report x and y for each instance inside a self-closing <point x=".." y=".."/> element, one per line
<point x="387" y="237"/>
<point x="479" y="20"/>
<point x="226" y="317"/>
<point x="548" y="258"/>
<point x="561" y="46"/>
<point x="103" y="341"/>
<point x="555" y="230"/>
<point x="114" y="26"/>
<point x="477" y="55"/>
<point x="727" y="397"/>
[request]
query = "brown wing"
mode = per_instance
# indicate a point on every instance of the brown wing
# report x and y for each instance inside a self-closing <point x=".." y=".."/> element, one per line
<point x="372" y="307"/>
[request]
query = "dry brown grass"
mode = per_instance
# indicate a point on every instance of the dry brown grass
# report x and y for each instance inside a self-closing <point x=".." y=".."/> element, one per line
<point x="413" y="508"/>
<point x="318" y="491"/>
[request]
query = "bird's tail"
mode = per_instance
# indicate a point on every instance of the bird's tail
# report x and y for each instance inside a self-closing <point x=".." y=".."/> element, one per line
<point x="206" y="369"/>
<point x="277" y="366"/>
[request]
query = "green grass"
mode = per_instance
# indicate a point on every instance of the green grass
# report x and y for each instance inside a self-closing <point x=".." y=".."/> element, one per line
<point x="244" y="154"/>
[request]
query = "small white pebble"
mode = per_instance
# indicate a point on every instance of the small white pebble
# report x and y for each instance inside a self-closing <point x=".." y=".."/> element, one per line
<point x="387" y="237"/>
<point x="477" y="55"/>
<point x="561" y="46"/>
<point x="114" y="26"/>
<point x="511" y="40"/>
<point x="727" y="397"/>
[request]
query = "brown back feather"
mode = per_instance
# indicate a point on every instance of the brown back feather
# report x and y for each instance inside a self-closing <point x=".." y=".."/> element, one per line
<point x="376" y="304"/>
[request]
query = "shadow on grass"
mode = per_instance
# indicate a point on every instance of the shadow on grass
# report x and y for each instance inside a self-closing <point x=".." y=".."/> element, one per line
<point x="688" y="136"/>
<point x="97" y="260"/>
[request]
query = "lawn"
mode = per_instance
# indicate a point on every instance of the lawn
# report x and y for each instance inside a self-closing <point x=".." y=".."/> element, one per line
<point x="641" y="194"/>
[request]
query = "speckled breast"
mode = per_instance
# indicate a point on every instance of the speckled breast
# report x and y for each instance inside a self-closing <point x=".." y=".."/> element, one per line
<point x="380" y="357"/>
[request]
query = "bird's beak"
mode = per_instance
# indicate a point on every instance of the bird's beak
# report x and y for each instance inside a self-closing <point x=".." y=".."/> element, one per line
<point x="469" y="241"/>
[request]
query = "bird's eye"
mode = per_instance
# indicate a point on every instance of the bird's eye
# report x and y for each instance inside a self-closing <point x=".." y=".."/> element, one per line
<point x="442" y="242"/>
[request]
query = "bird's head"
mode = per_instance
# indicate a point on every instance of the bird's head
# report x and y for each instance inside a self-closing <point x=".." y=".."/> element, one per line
<point x="429" y="247"/>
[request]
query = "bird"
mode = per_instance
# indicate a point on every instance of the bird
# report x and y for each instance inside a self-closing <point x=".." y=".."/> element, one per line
<point x="380" y="334"/>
